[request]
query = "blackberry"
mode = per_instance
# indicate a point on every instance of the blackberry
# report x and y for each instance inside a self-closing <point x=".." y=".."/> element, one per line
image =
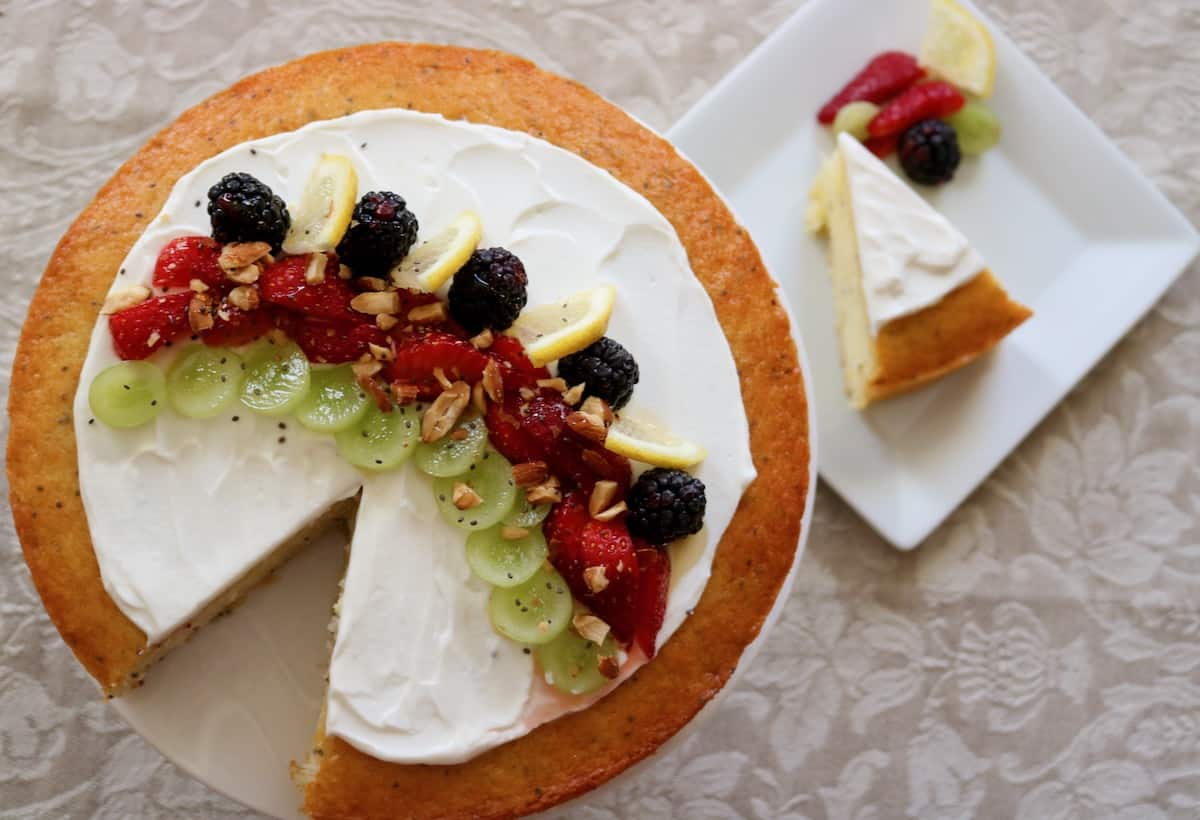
<point x="929" y="152"/>
<point x="607" y="369"/>
<point x="665" y="505"/>
<point x="382" y="229"/>
<point x="488" y="291"/>
<point x="242" y="209"/>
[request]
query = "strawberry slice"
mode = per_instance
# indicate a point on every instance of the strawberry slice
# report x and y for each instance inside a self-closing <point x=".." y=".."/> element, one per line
<point x="920" y="102"/>
<point x="579" y="543"/>
<point x="330" y="342"/>
<point x="654" y="581"/>
<point x="142" y="329"/>
<point x="514" y="364"/>
<point x="233" y="326"/>
<point x="187" y="258"/>
<point x="883" y="78"/>
<point x="418" y="355"/>
<point x="882" y="147"/>
<point x="283" y="284"/>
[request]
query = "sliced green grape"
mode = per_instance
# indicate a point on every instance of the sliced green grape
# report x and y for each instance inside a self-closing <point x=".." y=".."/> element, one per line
<point x="504" y="562"/>
<point x="534" y="612"/>
<point x="276" y="378"/>
<point x="334" y="402"/>
<point x="977" y="126"/>
<point x="128" y="394"/>
<point x="525" y="514"/>
<point x="381" y="441"/>
<point x="572" y="662"/>
<point x="491" y="479"/>
<point x="203" y="381"/>
<point x="854" y="118"/>
<point x="450" y="457"/>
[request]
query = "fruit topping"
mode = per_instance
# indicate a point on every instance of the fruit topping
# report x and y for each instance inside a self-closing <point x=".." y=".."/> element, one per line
<point x="431" y="263"/>
<point x="882" y="147"/>
<point x="560" y="328"/>
<point x="381" y="232"/>
<point x="479" y="498"/>
<point x="203" y="381"/>
<point x="978" y="128"/>
<point x="598" y="561"/>
<point x="506" y="556"/>
<point x="128" y="394"/>
<point x="186" y="258"/>
<point x="525" y="514"/>
<point x="883" y="78"/>
<point x="637" y="439"/>
<point x="233" y="327"/>
<point x="929" y="152"/>
<point x="276" y="377"/>
<point x="142" y="329"/>
<point x="959" y="48"/>
<point x="535" y="612"/>
<point x="488" y="291"/>
<point x="321" y="217"/>
<point x="921" y="102"/>
<point x="284" y="284"/>
<point x="665" y="505"/>
<point x="335" y="401"/>
<point x="854" y="119"/>
<point x="329" y="342"/>
<point x="381" y="441"/>
<point x="576" y="665"/>
<point x="420" y="357"/>
<point x="453" y="454"/>
<point x="654" y="581"/>
<point x="605" y="368"/>
<point x="242" y="209"/>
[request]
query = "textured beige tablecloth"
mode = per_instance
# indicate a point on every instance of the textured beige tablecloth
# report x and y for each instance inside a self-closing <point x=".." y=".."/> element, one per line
<point x="1038" y="657"/>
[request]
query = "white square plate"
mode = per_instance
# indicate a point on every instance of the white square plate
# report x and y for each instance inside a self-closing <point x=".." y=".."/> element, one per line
<point x="1063" y="218"/>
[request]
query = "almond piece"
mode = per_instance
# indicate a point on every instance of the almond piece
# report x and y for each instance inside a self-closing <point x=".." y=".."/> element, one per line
<point x="244" y="276"/>
<point x="244" y="297"/>
<point x="375" y="390"/>
<point x="595" y="579"/>
<point x="596" y="406"/>
<point x="483" y="340"/>
<point x="612" y="512"/>
<point x="404" y="393"/>
<point x="608" y="666"/>
<point x="376" y="303"/>
<point x="427" y="314"/>
<point x="493" y="382"/>
<point x="380" y="353"/>
<point x="125" y="298"/>
<point x="154" y="338"/>
<point x="344" y="272"/>
<point x="530" y="473"/>
<point x="385" y="322"/>
<point x="546" y="493"/>
<point x="602" y="497"/>
<point x="553" y="384"/>
<point x="458" y="434"/>
<point x="200" y="312"/>
<point x="371" y="283"/>
<point x="573" y="395"/>
<point x="237" y="255"/>
<point x="444" y="412"/>
<point x="367" y="369"/>
<point x="314" y="272"/>
<point x="465" y="497"/>
<point x="588" y="426"/>
<point x="197" y="286"/>
<point x="440" y="375"/>
<point x="510" y="533"/>
<point x="590" y="628"/>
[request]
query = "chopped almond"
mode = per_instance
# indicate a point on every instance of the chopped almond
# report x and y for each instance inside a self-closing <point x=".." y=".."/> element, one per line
<point x="483" y="340"/>
<point x="458" y="434"/>
<point x="427" y="314"/>
<point x="314" y="272"/>
<point x="588" y="426"/>
<point x="380" y="353"/>
<point x="247" y="275"/>
<point x="590" y="628"/>
<point x="154" y="338"/>
<point x="530" y="473"/>
<point x="366" y="369"/>
<point x="510" y="533"/>
<point x="553" y="384"/>
<point x="526" y="393"/>
<point x="405" y="393"/>
<point x="443" y="414"/>
<point x="608" y="666"/>
<point x="375" y="390"/>
<point x="545" y="493"/>
<point x="200" y="312"/>
<point x="596" y="406"/>
<point x="237" y="255"/>
<point x="612" y="512"/>
<point x="244" y="297"/>
<point x="344" y="272"/>
<point x="573" y="395"/>
<point x="371" y="283"/>
<point x="493" y="382"/>
<point x="465" y="497"/>
<point x="595" y="579"/>
<point x="197" y="286"/>
<point x="385" y="322"/>
<point x="602" y="496"/>
<point x="125" y="298"/>
<point x="376" y="303"/>
<point x="440" y="375"/>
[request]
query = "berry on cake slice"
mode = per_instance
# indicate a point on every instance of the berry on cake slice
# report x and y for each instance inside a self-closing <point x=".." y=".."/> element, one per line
<point x="333" y="342"/>
<point x="242" y="209"/>
<point x="883" y="78"/>
<point x="186" y="258"/>
<point x="921" y="102"/>
<point x="605" y="369"/>
<point x="141" y="329"/>
<point x="233" y="326"/>
<point x="665" y="505"/>
<point x="421" y="357"/>
<point x="488" y="292"/>
<point x="929" y="152"/>
<point x="289" y="283"/>
<point x="654" y="582"/>
<point x="381" y="232"/>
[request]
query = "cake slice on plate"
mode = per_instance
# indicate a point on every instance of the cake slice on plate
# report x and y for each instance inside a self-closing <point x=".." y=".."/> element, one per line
<point x="914" y="299"/>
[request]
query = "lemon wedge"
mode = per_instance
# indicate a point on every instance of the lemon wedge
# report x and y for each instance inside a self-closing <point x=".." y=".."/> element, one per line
<point x="323" y="213"/>
<point x="643" y="441"/>
<point x="958" y="48"/>
<point x="558" y="329"/>
<point x="431" y="263"/>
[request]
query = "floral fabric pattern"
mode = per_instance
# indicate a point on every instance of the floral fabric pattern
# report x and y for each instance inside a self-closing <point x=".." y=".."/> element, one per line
<point x="1038" y="657"/>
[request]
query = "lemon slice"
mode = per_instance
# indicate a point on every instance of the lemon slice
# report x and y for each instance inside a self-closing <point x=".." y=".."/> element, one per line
<point x="959" y="48"/>
<point x="642" y="441"/>
<point x="430" y="264"/>
<point x="323" y="213"/>
<point x="558" y="329"/>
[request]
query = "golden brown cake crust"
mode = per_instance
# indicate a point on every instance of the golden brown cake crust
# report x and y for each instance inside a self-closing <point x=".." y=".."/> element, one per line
<point x="570" y="755"/>
<point x="966" y="323"/>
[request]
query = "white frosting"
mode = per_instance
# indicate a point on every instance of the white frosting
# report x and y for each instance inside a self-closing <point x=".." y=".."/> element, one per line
<point x="180" y="509"/>
<point x="910" y="255"/>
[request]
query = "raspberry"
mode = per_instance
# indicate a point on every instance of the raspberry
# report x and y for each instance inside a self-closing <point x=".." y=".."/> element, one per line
<point x="488" y="291"/>
<point x="665" y="505"/>
<point x="381" y="231"/>
<point x="883" y="78"/>
<point x="606" y="368"/>
<point x="921" y="102"/>
<point x="186" y="258"/>
<point x="417" y="356"/>
<point x="283" y="284"/>
<point x="142" y="329"/>
<point x="332" y="342"/>
<point x="929" y="152"/>
<point x="242" y="209"/>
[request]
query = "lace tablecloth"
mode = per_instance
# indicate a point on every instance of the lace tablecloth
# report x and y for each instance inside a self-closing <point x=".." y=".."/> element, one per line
<point x="1038" y="657"/>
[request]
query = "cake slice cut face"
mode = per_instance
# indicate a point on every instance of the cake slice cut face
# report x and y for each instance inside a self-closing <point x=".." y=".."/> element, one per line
<point x="914" y="299"/>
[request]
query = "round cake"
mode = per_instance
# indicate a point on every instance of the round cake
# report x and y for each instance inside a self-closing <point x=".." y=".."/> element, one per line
<point x="509" y="771"/>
